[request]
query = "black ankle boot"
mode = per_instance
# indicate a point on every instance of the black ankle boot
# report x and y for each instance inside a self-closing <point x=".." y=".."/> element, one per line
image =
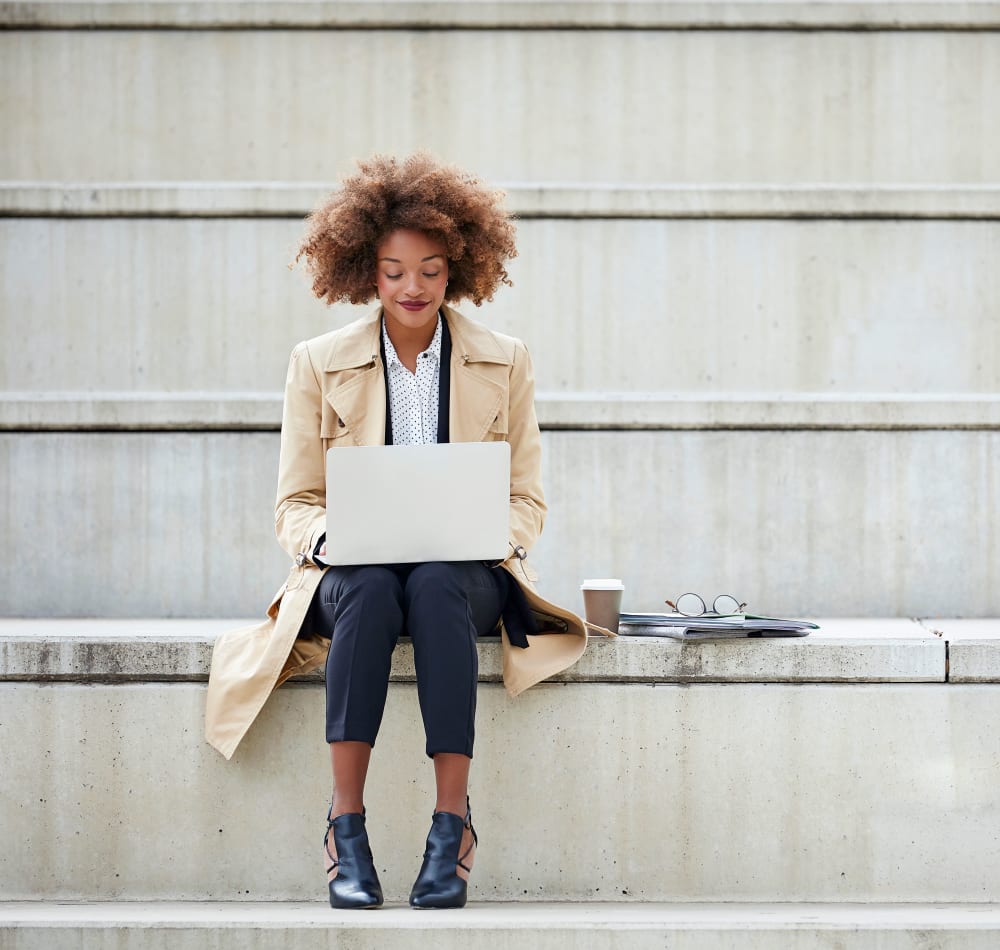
<point x="438" y="885"/>
<point x="356" y="884"/>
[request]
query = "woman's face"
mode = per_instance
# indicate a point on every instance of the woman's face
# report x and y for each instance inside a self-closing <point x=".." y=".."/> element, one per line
<point x="412" y="274"/>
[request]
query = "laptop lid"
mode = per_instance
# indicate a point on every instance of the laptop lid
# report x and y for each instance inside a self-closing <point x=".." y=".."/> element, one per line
<point x="389" y="504"/>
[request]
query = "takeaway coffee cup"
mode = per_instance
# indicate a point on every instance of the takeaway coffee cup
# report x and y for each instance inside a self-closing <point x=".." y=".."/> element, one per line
<point x="602" y="601"/>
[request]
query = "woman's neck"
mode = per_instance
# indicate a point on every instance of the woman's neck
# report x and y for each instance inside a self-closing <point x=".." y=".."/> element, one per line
<point x="409" y="342"/>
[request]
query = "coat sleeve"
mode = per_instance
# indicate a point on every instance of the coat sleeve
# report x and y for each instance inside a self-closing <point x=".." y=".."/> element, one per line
<point x="300" y="507"/>
<point x="527" y="503"/>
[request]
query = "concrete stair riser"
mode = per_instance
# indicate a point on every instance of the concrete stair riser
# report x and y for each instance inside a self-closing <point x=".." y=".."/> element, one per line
<point x="748" y="792"/>
<point x="834" y="523"/>
<point x="685" y="306"/>
<point x="536" y="104"/>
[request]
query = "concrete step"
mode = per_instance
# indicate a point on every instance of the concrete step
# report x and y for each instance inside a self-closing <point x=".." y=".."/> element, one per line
<point x="198" y="926"/>
<point x="655" y="771"/>
<point x="106" y="650"/>
<point x="629" y="105"/>
<point x="207" y="411"/>
<point x="830" y="522"/>
<point x="528" y="200"/>
<point x="509" y="14"/>
<point x="804" y="306"/>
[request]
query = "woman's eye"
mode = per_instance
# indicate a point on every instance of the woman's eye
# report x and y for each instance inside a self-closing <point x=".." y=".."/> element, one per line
<point x="432" y="275"/>
<point x="393" y="276"/>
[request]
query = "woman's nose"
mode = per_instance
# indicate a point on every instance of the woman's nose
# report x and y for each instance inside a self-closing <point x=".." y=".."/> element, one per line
<point x="413" y="286"/>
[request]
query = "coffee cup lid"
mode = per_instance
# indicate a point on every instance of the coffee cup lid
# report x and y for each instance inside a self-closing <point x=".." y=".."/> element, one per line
<point x="603" y="583"/>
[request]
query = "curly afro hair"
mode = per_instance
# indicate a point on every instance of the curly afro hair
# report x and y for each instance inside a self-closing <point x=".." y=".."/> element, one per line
<point x="416" y="193"/>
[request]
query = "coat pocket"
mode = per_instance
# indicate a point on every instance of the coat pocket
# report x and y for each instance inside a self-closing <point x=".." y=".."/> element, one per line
<point x="498" y="428"/>
<point x="333" y="430"/>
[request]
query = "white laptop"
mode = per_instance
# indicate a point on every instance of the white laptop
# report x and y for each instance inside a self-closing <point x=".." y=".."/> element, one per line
<point x="389" y="504"/>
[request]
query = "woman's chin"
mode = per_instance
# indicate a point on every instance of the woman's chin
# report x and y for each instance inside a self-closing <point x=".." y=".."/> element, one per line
<point x="413" y="319"/>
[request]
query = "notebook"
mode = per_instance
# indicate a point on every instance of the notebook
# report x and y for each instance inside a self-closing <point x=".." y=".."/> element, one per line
<point x="391" y="504"/>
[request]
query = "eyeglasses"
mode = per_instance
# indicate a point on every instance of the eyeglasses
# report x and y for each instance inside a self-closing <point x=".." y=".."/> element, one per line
<point x="692" y="605"/>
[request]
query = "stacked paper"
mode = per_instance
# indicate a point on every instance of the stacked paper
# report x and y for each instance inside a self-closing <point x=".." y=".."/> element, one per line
<point x="711" y="626"/>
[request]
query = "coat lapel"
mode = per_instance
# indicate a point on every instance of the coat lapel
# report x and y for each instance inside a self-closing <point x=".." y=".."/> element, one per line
<point x="357" y="396"/>
<point x="479" y="379"/>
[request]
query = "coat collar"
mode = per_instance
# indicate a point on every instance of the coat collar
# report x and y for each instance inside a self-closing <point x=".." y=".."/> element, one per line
<point x="357" y="344"/>
<point x="471" y="342"/>
<point x="479" y="374"/>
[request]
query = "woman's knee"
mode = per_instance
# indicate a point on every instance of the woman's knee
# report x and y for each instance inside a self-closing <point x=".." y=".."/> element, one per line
<point x="366" y="580"/>
<point x="367" y="596"/>
<point x="455" y="593"/>
<point x="434" y="578"/>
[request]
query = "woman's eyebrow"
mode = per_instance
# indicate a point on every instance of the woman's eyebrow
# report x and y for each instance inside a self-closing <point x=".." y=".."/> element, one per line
<point x="423" y="260"/>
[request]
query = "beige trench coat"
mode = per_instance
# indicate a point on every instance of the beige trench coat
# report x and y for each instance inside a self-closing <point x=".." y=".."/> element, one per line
<point x="335" y="396"/>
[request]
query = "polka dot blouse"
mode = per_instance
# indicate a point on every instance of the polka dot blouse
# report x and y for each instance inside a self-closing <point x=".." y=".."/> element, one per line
<point x="413" y="398"/>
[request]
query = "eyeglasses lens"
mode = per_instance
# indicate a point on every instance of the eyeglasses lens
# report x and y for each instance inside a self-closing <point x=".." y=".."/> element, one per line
<point x="690" y="605"/>
<point x="726" y="604"/>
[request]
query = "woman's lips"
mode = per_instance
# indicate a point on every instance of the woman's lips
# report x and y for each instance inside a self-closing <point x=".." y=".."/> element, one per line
<point x="413" y="305"/>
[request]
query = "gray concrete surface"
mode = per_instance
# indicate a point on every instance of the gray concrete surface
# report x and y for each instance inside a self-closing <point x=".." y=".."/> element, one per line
<point x="688" y="926"/>
<point x="385" y="14"/>
<point x="640" y="776"/>
<point x="822" y="523"/>
<point x="973" y="648"/>
<point x="550" y="199"/>
<point x="842" y="650"/>
<point x="199" y="410"/>
<point x="781" y="106"/>
<point x="639" y="306"/>
<point x="749" y="792"/>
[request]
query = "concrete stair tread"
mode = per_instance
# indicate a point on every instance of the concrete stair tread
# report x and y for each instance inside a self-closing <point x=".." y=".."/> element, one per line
<point x="508" y="915"/>
<point x="843" y="650"/>
<point x="547" y="926"/>
<point x="196" y="410"/>
<point x="510" y="14"/>
<point x="528" y="199"/>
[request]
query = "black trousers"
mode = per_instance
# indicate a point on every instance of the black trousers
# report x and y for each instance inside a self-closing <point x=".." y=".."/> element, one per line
<point x="443" y="607"/>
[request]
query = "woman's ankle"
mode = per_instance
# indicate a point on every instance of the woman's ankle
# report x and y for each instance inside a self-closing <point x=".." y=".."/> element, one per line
<point x="453" y="806"/>
<point x="344" y="805"/>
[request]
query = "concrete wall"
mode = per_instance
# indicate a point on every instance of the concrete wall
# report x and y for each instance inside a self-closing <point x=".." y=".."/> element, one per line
<point x="587" y="105"/>
<point x="608" y="791"/>
<point x="838" y="523"/>
<point x="757" y="277"/>
<point x="836" y="306"/>
<point x="844" y="766"/>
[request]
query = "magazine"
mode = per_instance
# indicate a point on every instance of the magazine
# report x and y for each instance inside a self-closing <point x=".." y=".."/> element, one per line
<point x="711" y="626"/>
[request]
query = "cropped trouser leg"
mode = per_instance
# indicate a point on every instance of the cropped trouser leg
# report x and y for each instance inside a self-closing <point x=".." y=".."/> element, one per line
<point x="361" y="610"/>
<point x="443" y="607"/>
<point x="447" y="606"/>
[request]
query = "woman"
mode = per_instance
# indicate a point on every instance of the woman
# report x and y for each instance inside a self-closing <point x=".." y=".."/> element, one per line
<point x="415" y="235"/>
